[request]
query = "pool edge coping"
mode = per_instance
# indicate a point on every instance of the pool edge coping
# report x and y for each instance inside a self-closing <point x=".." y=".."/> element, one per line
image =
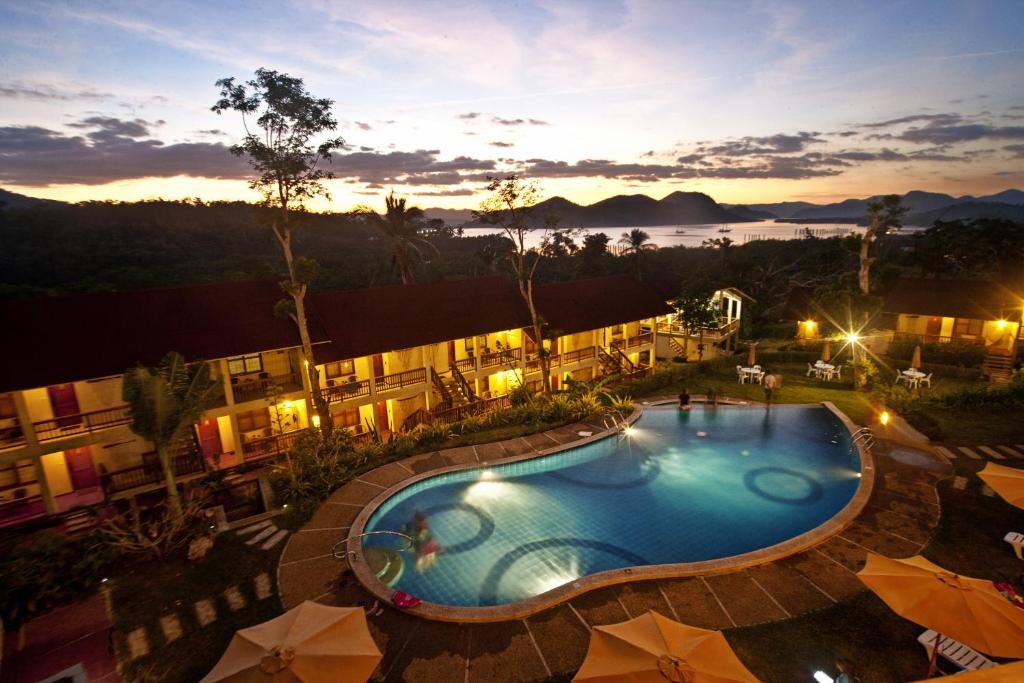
<point x="556" y="596"/>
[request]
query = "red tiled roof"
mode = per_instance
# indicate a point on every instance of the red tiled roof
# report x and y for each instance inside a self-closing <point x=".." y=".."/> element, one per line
<point x="569" y="307"/>
<point x="976" y="299"/>
<point x="360" y="322"/>
<point x="52" y="340"/>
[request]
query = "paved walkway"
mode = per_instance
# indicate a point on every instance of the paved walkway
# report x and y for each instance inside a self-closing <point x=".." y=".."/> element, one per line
<point x="897" y="521"/>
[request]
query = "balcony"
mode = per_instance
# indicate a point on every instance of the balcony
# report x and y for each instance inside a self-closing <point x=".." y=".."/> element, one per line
<point x="633" y="342"/>
<point x="399" y="380"/>
<point x="81" y="423"/>
<point x="344" y="390"/>
<point x="254" y="387"/>
<point x="270" y="446"/>
<point x="465" y="365"/>
<point x="559" y="359"/>
<point x="150" y="473"/>
<point x="711" y="334"/>
<point x="938" y="339"/>
<point x="11" y="436"/>
<point x="503" y="357"/>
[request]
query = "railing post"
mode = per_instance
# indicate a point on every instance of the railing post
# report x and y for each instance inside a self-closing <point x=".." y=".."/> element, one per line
<point x="28" y="430"/>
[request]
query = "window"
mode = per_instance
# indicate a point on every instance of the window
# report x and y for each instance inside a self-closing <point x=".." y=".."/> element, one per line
<point x="342" y="368"/>
<point x="467" y="344"/>
<point x="253" y="420"/>
<point x="968" y="327"/>
<point x="347" y="418"/>
<point x="7" y="406"/>
<point x="240" y="365"/>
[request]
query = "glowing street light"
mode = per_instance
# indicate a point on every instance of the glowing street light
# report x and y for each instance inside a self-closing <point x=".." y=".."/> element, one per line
<point x="884" y="417"/>
<point x="853" y="337"/>
<point x="1001" y="323"/>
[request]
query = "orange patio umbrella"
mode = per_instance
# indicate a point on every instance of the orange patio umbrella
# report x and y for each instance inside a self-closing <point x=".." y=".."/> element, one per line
<point x="969" y="610"/>
<point x="655" y="649"/>
<point x="311" y="643"/>
<point x="1007" y="673"/>
<point x="1008" y="482"/>
<point x="752" y="356"/>
<point x="915" y="361"/>
<point x="826" y="351"/>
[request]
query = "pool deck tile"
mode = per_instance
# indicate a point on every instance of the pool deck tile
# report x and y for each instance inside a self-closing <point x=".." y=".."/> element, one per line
<point x="897" y="525"/>
<point x="567" y="435"/>
<point x="923" y="515"/>
<point x="601" y="606"/>
<point x="561" y="637"/>
<point x="640" y="597"/>
<point x="463" y="455"/>
<point x="515" y="447"/>
<point x="491" y="451"/>
<point x="540" y="442"/>
<point x="789" y="588"/>
<point x="826" y="574"/>
<point x="842" y="551"/>
<point x="424" y="462"/>
<point x="312" y="543"/>
<point x="694" y="603"/>
<point x="879" y="541"/>
<point x="386" y="475"/>
<point x="308" y="580"/>
<point x="435" y="652"/>
<point x="504" y="651"/>
<point x="332" y="516"/>
<point x="746" y="603"/>
<point x="355" y="493"/>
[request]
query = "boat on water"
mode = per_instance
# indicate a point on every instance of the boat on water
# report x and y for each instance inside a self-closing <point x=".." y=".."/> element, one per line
<point x="724" y="229"/>
<point x="680" y="232"/>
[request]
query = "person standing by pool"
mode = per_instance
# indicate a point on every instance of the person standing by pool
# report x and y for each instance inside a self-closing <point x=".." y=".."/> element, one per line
<point x="771" y="384"/>
<point x="684" y="400"/>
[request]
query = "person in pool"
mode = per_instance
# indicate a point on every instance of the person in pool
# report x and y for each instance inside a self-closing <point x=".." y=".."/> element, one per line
<point x="423" y="543"/>
<point x="684" y="400"/>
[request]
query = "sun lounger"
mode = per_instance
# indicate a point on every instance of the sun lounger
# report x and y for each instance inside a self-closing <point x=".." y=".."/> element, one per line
<point x="955" y="651"/>
<point x="1016" y="540"/>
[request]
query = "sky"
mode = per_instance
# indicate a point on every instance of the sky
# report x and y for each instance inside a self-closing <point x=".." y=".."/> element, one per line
<point x="745" y="101"/>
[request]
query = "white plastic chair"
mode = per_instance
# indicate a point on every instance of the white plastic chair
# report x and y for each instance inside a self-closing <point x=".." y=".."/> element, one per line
<point x="742" y="376"/>
<point x="926" y="380"/>
<point x="811" y="370"/>
<point x="1017" y="541"/>
<point x="900" y="377"/>
<point x="838" y="371"/>
<point x="955" y="651"/>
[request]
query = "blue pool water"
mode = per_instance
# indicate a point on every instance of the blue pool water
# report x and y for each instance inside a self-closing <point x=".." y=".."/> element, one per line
<point x="682" y="487"/>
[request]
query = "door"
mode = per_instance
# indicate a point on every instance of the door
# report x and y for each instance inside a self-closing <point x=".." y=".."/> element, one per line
<point x="451" y="353"/>
<point x="64" y="404"/>
<point x="209" y="439"/>
<point x="80" y="467"/>
<point x="933" y="330"/>
<point x="378" y="366"/>
<point x="382" y="417"/>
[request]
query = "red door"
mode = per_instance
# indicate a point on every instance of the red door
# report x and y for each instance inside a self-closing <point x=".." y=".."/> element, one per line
<point x="209" y="439"/>
<point x="378" y="366"/>
<point x="451" y="352"/>
<point x="64" y="403"/>
<point x="80" y="467"/>
<point x="382" y="416"/>
<point x="933" y="330"/>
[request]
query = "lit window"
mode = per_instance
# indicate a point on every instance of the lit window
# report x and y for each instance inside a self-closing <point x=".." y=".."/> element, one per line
<point x="240" y="365"/>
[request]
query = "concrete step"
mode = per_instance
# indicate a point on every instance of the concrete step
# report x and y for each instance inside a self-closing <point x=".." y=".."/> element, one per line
<point x="991" y="453"/>
<point x="969" y="453"/>
<point x="1009" y="450"/>
<point x="266" y="533"/>
<point x="946" y="452"/>
<point x="253" y="528"/>
<point x="275" y="539"/>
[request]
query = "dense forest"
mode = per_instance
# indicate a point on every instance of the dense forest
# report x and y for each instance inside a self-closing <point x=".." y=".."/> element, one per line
<point x="103" y="246"/>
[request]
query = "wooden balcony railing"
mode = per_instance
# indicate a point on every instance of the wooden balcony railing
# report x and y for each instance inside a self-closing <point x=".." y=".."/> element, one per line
<point x="465" y="364"/>
<point x="150" y="473"/>
<point x="81" y="423"/>
<point x="576" y="356"/>
<point x="450" y="416"/>
<point x="633" y="342"/>
<point x="253" y="389"/>
<point x="938" y="339"/>
<point x="269" y="446"/>
<point x="724" y="329"/>
<point x="503" y="357"/>
<point x="400" y="379"/>
<point x="344" y="390"/>
<point x="11" y="437"/>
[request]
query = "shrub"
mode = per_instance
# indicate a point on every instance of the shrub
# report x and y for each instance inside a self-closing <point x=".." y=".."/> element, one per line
<point x="51" y="570"/>
<point x="316" y="465"/>
<point x="428" y="436"/>
<point x="520" y="395"/>
<point x="950" y="353"/>
<point x="896" y="396"/>
<point x="158" y="532"/>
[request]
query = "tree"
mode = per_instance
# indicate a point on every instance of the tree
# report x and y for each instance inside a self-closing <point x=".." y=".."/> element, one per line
<point x="401" y="227"/>
<point x="594" y="254"/>
<point x="637" y="242"/>
<point x="162" y="403"/>
<point x="281" y="149"/>
<point x="510" y="208"/>
<point x="884" y="215"/>
<point x="696" y="312"/>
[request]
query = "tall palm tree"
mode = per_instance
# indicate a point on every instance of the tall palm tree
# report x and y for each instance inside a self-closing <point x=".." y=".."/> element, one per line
<point x="401" y="227"/>
<point x="163" y="402"/>
<point x="637" y="242"/>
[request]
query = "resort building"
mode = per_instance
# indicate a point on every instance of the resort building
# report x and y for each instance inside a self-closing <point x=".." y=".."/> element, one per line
<point x="389" y="358"/>
<point x="675" y="340"/>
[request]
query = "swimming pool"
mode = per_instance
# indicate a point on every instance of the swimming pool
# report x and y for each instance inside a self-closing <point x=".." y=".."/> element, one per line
<point x="680" y="487"/>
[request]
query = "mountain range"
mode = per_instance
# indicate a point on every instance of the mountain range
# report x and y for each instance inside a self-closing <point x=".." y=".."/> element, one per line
<point x="689" y="208"/>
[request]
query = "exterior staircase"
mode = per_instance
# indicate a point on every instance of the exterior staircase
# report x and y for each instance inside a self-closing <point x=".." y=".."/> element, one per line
<point x="676" y="347"/>
<point x="609" y="364"/>
<point x="999" y="368"/>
